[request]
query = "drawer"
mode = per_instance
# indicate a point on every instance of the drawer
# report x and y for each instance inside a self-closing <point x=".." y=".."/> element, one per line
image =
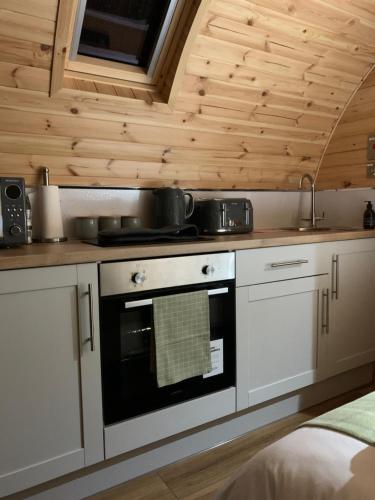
<point x="263" y="265"/>
<point x="151" y="427"/>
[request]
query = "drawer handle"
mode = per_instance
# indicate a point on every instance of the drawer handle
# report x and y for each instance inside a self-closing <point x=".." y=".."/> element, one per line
<point x="289" y="263"/>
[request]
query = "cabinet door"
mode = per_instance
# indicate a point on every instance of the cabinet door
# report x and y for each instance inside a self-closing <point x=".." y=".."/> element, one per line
<point x="351" y="342"/>
<point x="41" y="361"/>
<point x="278" y="326"/>
<point x="91" y="384"/>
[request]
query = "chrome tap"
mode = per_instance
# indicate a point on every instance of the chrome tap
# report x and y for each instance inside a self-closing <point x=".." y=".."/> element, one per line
<point x="313" y="218"/>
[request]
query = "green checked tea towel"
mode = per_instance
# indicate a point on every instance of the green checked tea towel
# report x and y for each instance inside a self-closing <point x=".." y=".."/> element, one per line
<point x="357" y="419"/>
<point x="182" y="336"/>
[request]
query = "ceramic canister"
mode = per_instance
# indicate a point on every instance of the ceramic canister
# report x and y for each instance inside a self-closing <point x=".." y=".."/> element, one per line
<point x="86" y="228"/>
<point x="131" y="221"/>
<point x="109" y="222"/>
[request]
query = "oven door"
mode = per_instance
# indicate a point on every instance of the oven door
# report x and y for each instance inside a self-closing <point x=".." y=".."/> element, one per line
<point x="128" y="357"/>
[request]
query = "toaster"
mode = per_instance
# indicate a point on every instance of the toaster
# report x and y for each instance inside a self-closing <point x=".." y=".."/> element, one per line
<point x="223" y="215"/>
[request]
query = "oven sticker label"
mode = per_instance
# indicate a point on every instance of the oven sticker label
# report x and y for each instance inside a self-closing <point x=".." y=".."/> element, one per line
<point x="217" y="359"/>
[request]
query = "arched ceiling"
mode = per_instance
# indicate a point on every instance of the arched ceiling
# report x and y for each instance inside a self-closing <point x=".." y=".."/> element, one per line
<point x="264" y="85"/>
<point x="345" y="163"/>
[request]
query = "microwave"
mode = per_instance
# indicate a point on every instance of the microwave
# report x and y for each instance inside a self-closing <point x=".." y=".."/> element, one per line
<point x="12" y="212"/>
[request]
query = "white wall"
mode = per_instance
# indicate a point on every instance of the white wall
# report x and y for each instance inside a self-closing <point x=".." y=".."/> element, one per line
<point x="344" y="208"/>
<point x="271" y="209"/>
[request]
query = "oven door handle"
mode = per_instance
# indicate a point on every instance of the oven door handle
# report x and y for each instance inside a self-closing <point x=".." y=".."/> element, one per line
<point x="148" y="302"/>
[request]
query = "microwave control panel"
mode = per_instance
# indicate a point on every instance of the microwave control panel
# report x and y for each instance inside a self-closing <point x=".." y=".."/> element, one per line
<point x="12" y="212"/>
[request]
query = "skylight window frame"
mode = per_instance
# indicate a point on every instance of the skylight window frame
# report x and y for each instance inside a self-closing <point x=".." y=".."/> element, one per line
<point x="118" y="81"/>
<point x="148" y="73"/>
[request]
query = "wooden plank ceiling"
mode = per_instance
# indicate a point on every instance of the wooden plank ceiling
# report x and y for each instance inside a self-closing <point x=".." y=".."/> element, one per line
<point x="265" y="83"/>
<point x="345" y="163"/>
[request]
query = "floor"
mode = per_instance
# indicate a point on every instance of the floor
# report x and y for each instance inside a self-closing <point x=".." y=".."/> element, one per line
<point x="197" y="478"/>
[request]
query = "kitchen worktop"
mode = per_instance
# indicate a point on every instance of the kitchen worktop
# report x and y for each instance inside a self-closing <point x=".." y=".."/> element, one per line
<point x="75" y="252"/>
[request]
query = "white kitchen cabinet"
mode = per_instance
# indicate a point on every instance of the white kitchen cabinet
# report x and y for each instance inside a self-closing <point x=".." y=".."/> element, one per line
<point x="294" y="329"/>
<point x="281" y="324"/>
<point x="50" y="390"/>
<point x="145" y="429"/>
<point x="351" y="339"/>
<point x="265" y="265"/>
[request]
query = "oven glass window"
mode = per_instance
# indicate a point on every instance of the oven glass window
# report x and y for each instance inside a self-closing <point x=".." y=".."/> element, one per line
<point x="128" y="355"/>
<point x="135" y="334"/>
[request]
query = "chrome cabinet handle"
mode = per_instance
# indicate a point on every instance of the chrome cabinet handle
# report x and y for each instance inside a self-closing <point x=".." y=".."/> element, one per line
<point x="335" y="277"/>
<point x="289" y="263"/>
<point x="325" y="311"/>
<point x="91" y="339"/>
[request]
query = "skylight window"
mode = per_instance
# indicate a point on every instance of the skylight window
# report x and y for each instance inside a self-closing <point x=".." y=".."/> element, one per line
<point x="126" y="31"/>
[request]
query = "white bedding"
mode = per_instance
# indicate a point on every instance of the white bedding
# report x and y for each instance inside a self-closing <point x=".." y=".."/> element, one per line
<point x="308" y="464"/>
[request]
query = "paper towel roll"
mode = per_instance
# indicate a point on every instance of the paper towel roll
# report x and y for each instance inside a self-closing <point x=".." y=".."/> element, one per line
<point x="51" y="227"/>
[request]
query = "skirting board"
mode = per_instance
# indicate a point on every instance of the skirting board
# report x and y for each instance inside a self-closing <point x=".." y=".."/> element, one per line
<point x="85" y="483"/>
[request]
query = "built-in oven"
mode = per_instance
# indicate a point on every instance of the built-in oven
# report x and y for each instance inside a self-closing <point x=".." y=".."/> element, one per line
<point x="127" y="290"/>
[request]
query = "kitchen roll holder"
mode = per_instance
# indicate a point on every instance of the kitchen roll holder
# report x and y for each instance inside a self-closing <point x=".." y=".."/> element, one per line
<point x="49" y="211"/>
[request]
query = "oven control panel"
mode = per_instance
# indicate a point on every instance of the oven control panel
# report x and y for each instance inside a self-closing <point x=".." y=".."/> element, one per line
<point x="141" y="275"/>
<point x="139" y="278"/>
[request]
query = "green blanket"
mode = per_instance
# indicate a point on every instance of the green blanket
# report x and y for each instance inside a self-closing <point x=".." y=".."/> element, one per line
<point x="357" y="419"/>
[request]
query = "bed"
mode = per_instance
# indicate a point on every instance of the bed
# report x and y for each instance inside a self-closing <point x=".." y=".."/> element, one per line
<point x="311" y="463"/>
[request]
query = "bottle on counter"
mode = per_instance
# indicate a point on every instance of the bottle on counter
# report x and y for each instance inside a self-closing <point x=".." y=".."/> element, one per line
<point x="369" y="216"/>
<point x="29" y="225"/>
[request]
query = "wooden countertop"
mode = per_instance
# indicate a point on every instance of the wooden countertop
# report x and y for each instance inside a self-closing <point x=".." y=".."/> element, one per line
<point x="75" y="252"/>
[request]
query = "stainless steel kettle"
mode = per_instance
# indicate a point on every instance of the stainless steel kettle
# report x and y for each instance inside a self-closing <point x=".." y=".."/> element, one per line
<point x="171" y="207"/>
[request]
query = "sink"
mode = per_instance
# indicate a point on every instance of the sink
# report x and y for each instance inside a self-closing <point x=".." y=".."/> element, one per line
<point x="313" y="229"/>
<point x="305" y="229"/>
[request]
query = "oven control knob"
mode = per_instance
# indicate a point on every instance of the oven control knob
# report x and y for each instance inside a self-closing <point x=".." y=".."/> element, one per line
<point x="138" y="278"/>
<point x="15" y="230"/>
<point x="208" y="270"/>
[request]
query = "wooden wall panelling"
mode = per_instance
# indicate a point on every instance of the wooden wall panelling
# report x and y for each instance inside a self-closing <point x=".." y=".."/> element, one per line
<point x="26" y="41"/>
<point x="334" y="131"/>
<point x="80" y="103"/>
<point x="26" y="27"/>
<point x="260" y="87"/>
<point x="110" y="172"/>
<point x="44" y="9"/>
<point x="24" y="77"/>
<point x="135" y="126"/>
<point x="345" y="162"/>
<point x="25" y="53"/>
